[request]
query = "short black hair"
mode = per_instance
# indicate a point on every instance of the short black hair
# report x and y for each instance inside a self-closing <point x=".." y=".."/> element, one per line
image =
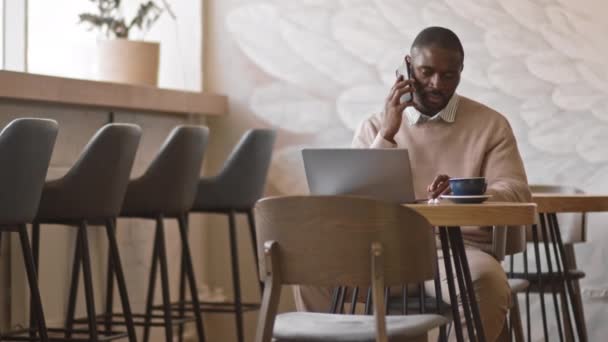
<point x="440" y="37"/>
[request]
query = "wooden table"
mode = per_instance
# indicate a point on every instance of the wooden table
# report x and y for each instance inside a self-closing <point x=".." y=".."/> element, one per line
<point x="448" y="217"/>
<point x="548" y="205"/>
<point x="561" y="203"/>
<point x="485" y="214"/>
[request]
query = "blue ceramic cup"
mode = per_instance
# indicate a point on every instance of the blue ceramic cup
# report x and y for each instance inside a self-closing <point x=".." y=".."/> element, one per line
<point x="473" y="186"/>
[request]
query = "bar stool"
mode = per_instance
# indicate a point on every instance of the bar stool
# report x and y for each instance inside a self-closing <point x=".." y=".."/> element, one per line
<point x="92" y="193"/>
<point x="25" y="152"/>
<point x="167" y="190"/>
<point x="236" y="189"/>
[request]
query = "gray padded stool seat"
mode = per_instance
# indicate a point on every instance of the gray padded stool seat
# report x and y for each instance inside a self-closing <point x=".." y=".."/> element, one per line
<point x="235" y="189"/>
<point x="313" y="327"/>
<point x="167" y="190"/>
<point x="92" y="191"/>
<point x="25" y="152"/>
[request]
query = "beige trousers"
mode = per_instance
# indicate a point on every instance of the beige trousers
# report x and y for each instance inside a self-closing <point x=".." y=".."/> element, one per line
<point x="489" y="281"/>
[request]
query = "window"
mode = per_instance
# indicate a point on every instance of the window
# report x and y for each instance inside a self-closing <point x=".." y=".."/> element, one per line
<point x="58" y="45"/>
<point x="1" y="33"/>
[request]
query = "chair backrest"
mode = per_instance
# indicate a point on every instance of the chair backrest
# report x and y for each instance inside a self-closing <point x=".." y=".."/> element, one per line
<point x="170" y="182"/>
<point x="573" y="226"/>
<point x="339" y="240"/>
<point x="243" y="176"/>
<point x="326" y="240"/>
<point x="26" y="146"/>
<point x="98" y="180"/>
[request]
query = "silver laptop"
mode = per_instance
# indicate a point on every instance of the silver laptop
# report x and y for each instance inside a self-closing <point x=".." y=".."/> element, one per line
<point x="383" y="174"/>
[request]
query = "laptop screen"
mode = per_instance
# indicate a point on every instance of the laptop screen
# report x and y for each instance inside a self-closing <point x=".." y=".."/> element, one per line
<point x="383" y="174"/>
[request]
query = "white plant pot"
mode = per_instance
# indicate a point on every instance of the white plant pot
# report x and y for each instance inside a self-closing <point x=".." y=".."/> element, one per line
<point x="128" y="61"/>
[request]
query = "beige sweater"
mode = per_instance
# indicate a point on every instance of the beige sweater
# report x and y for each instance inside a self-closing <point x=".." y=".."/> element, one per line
<point x="478" y="143"/>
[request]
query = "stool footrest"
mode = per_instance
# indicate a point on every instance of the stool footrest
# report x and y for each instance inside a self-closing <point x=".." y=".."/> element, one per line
<point x="157" y="320"/>
<point x="82" y="335"/>
<point x="212" y="307"/>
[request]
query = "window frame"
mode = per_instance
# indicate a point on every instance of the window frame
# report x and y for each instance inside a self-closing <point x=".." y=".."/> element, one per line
<point x="14" y="35"/>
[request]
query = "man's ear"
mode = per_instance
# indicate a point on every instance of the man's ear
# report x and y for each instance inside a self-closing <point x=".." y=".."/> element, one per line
<point x="461" y="67"/>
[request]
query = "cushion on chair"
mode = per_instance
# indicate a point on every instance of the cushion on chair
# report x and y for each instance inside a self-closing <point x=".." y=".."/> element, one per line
<point x="313" y="327"/>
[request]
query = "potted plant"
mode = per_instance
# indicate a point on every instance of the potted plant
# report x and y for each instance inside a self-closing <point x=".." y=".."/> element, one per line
<point x="120" y="59"/>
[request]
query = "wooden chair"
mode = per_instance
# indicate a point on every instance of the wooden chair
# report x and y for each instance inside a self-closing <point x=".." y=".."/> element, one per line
<point x="330" y="241"/>
<point x="541" y="278"/>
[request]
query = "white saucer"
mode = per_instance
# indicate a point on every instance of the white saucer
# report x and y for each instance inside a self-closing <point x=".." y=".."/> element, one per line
<point x="467" y="199"/>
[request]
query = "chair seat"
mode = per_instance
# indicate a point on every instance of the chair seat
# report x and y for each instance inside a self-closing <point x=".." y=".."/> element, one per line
<point x="312" y="327"/>
<point x="518" y="285"/>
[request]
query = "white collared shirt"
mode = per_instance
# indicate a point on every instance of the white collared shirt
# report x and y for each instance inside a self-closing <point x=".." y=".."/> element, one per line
<point x="447" y="114"/>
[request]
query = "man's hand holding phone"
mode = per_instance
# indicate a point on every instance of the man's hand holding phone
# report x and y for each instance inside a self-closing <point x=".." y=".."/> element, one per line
<point x="394" y="107"/>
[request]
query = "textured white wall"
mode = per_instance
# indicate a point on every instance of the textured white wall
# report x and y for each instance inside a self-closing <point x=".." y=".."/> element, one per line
<point x="315" y="68"/>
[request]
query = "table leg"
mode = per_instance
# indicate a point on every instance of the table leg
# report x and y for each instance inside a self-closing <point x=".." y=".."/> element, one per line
<point x="443" y="235"/>
<point x="458" y="244"/>
<point x="582" y="335"/>
<point x="465" y="299"/>
<point x="541" y="292"/>
<point x="527" y="276"/>
<point x="554" y="277"/>
<point x="562" y="284"/>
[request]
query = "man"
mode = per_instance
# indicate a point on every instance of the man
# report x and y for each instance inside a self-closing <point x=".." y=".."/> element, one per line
<point x="447" y="135"/>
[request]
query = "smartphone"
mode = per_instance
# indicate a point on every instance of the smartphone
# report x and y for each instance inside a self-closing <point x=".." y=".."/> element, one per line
<point x="400" y="72"/>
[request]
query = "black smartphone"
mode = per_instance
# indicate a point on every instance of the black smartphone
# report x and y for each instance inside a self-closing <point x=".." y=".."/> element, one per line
<point x="400" y="72"/>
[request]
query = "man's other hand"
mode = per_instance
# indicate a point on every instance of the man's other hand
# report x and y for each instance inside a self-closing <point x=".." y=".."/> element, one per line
<point x="440" y="186"/>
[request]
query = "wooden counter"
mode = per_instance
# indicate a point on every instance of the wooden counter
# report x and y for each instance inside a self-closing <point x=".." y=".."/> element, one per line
<point x="18" y="86"/>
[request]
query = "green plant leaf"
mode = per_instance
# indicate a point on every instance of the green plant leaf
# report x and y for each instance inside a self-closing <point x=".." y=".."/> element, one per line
<point x="109" y="18"/>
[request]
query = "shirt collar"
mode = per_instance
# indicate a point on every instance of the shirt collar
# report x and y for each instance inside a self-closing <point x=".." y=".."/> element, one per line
<point x="447" y="114"/>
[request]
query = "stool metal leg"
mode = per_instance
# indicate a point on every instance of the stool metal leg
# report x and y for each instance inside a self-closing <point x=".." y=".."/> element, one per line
<point x="187" y="261"/>
<point x="73" y="294"/>
<point x="151" y="288"/>
<point x="235" y="277"/>
<point x="164" y="277"/>
<point x="32" y="278"/>
<point x="109" y="293"/>
<point x="182" y="289"/>
<point x="254" y="243"/>
<point x="120" y="280"/>
<point x="36" y="258"/>
<point x="88" y="282"/>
